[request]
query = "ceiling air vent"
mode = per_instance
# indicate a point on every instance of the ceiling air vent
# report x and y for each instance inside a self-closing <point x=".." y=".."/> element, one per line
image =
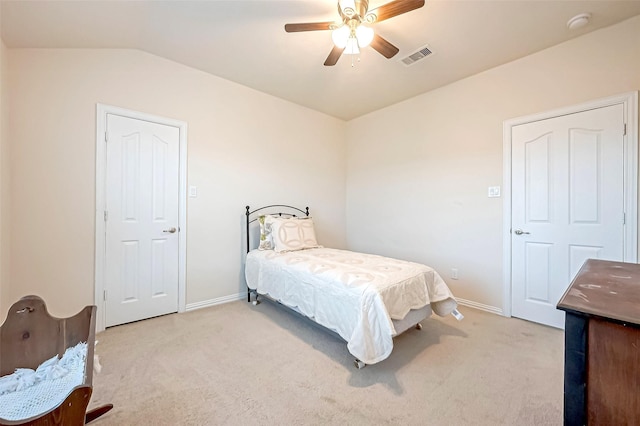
<point x="416" y="56"/>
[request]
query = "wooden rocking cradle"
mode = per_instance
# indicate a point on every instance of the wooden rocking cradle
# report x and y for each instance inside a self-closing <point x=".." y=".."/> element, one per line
<point x="30" y="336"/>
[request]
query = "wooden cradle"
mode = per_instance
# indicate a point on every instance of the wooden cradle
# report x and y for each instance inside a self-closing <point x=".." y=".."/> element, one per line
<point x="30" y="336"/>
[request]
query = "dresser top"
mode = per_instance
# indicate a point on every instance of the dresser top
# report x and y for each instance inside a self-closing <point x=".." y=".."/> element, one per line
<point x="606" y="289"/>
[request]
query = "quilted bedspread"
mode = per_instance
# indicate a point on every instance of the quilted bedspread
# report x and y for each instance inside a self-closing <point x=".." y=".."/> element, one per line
<point x="354" y="294"/>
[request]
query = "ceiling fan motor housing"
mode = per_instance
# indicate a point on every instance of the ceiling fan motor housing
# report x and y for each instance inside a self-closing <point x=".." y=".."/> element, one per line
<point x="349" y="9"/>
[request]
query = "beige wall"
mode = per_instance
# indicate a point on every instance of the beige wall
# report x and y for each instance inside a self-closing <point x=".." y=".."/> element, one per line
<point x="418" y="171"/>
<point x="244" y="147"/>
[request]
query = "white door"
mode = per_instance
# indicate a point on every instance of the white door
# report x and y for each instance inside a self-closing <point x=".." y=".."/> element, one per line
<point x="142" y="187"/>
<point x="567" y="205"/>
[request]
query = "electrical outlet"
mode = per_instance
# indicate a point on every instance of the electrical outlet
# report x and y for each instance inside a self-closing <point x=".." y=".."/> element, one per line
<point x="454" y="273"/>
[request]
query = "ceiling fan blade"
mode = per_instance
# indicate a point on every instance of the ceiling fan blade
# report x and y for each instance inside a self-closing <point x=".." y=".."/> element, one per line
<point x="333" y="57"/>
<point x="383" y="47"/>
<point x="308" y="26"/>
<point x="395" y="8"/>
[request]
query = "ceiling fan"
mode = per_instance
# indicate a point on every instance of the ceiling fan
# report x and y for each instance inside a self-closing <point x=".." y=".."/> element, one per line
<point x="352" y="32"/>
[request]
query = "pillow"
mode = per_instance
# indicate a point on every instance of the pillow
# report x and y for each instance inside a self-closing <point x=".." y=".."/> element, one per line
<point x="266" y="240"/>
<point x="292" y="234"/>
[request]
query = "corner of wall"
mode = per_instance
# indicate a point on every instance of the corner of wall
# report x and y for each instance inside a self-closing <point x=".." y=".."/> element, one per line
<point x="4" y="183"/>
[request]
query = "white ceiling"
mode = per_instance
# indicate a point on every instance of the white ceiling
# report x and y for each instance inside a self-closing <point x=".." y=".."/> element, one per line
<point x="244" y="41"/>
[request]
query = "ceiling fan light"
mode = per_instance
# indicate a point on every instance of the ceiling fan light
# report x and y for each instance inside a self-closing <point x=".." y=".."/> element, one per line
<point x="340" y="36"/>
<point x="352" y="47"/>
<point x="364" y="35"/>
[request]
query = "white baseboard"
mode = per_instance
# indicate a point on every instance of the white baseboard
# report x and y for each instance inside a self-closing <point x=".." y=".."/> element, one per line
<point x="482" y="307"/>
<point x="213" y="302"/>
<point x="242" y="296"/>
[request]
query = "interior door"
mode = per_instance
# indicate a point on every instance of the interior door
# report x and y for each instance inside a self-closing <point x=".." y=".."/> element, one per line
<point x="142" y="244"/>
<point x="567" y="205"/>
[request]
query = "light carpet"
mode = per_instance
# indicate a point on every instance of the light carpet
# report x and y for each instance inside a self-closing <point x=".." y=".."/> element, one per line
<point x="239" y="364"/>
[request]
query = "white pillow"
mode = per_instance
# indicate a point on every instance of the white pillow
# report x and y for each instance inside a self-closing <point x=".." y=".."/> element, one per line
<point x="266" y="240"/>
<point x="292" y="234"/>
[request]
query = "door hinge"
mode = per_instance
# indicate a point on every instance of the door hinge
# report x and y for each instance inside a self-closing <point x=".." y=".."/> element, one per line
<point x="624" y="218"/>
<point x="106" y="215"/>
<point x="625" y="130"/>
<point x="106" y="136"/>
<point x="104" y="295"/>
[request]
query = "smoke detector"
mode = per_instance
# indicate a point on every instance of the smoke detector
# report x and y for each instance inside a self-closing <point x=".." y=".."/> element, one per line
<point x="578" y="21"/>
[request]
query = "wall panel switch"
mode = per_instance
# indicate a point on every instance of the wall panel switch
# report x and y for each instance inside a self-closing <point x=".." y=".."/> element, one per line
<point x="193" y="191"/>
<point x="494" y="191"/>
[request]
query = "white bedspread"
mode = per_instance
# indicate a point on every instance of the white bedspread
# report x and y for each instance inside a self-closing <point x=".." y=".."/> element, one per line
<point x="353" y="294"/>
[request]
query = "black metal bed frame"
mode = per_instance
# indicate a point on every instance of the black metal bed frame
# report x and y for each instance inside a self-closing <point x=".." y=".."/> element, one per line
<point x="250" y="212"/>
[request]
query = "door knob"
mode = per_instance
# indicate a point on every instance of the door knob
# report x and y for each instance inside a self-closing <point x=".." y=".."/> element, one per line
<point x="170" y="230"/>
<point x="520" y="232"/>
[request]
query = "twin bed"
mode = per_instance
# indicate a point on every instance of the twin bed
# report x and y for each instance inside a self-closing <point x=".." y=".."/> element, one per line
<point x="366" y="299"/>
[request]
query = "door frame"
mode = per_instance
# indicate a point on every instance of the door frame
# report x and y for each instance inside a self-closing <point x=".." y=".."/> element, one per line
<point x="630" y="103"/>
<point x="101" y="194"/>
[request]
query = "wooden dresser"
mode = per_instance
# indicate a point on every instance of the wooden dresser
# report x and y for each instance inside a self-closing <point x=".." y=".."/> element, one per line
<point x="602" y="345"/>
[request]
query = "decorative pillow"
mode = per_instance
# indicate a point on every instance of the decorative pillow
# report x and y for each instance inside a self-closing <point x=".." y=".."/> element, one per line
<point x="292" y="234"/>
<point x="266" y="240"/>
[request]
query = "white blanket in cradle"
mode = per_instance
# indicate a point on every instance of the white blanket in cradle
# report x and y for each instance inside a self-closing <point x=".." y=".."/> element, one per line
<point x="27" y="393"/>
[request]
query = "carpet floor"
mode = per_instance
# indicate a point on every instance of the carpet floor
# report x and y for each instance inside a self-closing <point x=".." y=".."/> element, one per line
<point x="239" y="364"/>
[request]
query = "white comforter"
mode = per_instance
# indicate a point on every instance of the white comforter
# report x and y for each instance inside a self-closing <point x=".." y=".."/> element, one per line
<point x="354" y="294"/>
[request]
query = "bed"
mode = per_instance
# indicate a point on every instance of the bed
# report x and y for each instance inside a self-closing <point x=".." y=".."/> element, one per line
<point x="366" y="299"/>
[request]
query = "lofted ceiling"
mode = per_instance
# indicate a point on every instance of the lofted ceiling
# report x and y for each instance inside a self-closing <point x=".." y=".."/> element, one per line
<point x="245" y="42"/>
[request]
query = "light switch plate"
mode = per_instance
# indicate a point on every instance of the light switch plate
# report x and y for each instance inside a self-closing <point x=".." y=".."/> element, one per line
<point x="193" y="191"/>
<point x="494" y="191"/>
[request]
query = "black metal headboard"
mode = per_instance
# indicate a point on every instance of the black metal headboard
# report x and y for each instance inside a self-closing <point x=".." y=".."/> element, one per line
<point x="291" y="213"/>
